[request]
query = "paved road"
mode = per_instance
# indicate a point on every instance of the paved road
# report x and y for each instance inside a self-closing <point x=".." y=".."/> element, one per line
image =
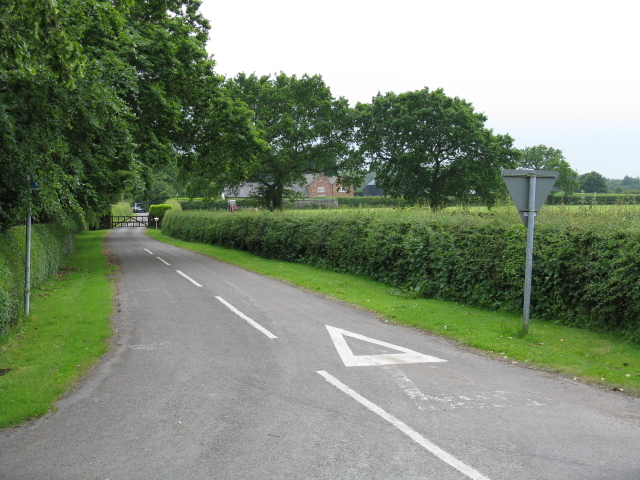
<point x="222" y="374"/>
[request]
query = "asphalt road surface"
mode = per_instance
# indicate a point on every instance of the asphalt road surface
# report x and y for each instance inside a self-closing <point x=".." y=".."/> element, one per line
<point x="218" y="373"/>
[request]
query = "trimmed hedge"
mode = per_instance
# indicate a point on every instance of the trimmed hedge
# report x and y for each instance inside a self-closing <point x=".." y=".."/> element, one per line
<point x="586" y="268"/>
<point x="220" y="204"/>
<point x="594" y="199"/>
<point x="50" y="245"/>
<point x="343" y="202"/>
<point x="158" y="211"/>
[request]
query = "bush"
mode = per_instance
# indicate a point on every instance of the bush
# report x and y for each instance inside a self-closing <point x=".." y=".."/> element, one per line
<point x="586" y="267"/>
<point x="220" y="204"/>
<point x="588" y="199"/>
<point x="50" y="245"/>
<point x="158" y="211"/>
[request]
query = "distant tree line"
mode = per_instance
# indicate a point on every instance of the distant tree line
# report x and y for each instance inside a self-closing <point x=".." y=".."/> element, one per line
<point x="627" y="184"/>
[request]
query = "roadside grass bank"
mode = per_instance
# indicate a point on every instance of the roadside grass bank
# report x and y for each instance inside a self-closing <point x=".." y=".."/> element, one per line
<point x="595" y="358"/>
<point x="64" y="336"/>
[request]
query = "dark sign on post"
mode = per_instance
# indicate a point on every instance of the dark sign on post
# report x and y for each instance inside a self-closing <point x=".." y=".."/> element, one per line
<point x="518" y="183"/>
<point x="529" y="190"/>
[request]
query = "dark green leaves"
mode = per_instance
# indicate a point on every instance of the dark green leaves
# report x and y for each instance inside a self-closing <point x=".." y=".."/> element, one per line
<point x="541" y="157"/>
<point x="426" y="146"/>
<point x="306" y="129"/>
<point x="93" y="95"/>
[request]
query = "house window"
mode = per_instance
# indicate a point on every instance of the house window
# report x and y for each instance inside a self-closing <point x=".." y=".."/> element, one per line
<point x="320" y="190"/>
<point x="342" y="190"/>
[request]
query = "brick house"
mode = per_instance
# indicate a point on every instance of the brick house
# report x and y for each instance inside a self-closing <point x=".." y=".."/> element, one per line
<point x="315" y="186"/>
<point x="321" y="186"/>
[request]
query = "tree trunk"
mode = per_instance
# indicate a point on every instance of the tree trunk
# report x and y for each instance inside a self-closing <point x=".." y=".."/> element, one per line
<point x="277" y="195"/>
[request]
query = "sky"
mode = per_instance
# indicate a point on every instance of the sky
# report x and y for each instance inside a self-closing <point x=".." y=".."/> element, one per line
<point x="560" y="73"/>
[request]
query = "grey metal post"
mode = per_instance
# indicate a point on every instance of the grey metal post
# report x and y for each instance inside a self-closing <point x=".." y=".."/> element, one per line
<point x="529" y="256"/>
<point x="27" y="264"/>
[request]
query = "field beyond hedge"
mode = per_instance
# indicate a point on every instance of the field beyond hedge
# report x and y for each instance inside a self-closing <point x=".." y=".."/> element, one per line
<point x="586" y="260"/>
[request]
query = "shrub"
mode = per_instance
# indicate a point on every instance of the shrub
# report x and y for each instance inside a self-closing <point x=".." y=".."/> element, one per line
<point x="50" y="245"/>
<point x="586" y="265"/>
<point x="158" y="211"/>
<point x="595" y="199"/>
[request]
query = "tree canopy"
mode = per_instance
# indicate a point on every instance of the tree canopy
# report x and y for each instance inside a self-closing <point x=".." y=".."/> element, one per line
<point x="94" y="95"/>
<point x="630" y="182"/>
<point x="425" y="146"/>
<point x="593" y="182"/>
<point x="542" y="157"/>
<point x="306" y="130"/>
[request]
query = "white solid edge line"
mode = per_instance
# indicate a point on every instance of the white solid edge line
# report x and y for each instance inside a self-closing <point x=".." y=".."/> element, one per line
<point x="189" y="278"/>
<point x="163" y="261"/>
<point x="404" y="428"/>
<point x="247" y="319"/>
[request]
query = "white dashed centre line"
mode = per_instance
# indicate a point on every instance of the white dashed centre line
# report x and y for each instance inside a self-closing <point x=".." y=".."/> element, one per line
<point x="189" y="278"/>
<point x="247" y="319"/>
<point x="163" y="261"/>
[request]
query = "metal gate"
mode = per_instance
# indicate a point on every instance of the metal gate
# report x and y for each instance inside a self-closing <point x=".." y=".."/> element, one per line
<point x="129" y="221"/>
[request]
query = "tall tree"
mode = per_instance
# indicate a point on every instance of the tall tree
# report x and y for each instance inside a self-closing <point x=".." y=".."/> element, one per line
<point x="94" y="95"/>
<point x="307" y="130"/>
<point x="541" y="157"/>
<point x="166" y="48"/>
<point x="226" y="144"/>
<point x="424" y="145"/>
<point x="41" y="70"/>
<point x="593" y="182"/>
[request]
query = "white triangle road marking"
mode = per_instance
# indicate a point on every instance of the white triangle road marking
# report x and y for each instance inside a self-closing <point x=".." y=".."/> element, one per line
<point x="404" y="355"/>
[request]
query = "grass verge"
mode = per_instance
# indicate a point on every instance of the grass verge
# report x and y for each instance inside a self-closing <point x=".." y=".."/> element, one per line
<point x="65" y="334"/>
<point x="590" y="357"/>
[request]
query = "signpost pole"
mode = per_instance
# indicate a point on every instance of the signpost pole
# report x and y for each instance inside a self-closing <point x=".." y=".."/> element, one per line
<point x="27" y="263"/>
<point x="27" y="256"/>
<point x="529" y="190"/>
<point x="529" y="254"/>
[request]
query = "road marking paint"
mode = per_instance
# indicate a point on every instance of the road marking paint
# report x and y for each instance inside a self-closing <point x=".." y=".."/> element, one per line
<point x="149" y="346"/>
<point x="247" y="319"/>
<point x="189" y="278"/>
<point x="481" y="399"/>
<point x="148" y="251"/>
<point x="163" y="261"/>
<point x="351" y="360"/>
<point x="404" y="428"/>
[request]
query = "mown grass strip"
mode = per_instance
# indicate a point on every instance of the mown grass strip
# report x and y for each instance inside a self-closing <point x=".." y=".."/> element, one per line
<point x="63" y="337"/>
<point x="590" y="357"/>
